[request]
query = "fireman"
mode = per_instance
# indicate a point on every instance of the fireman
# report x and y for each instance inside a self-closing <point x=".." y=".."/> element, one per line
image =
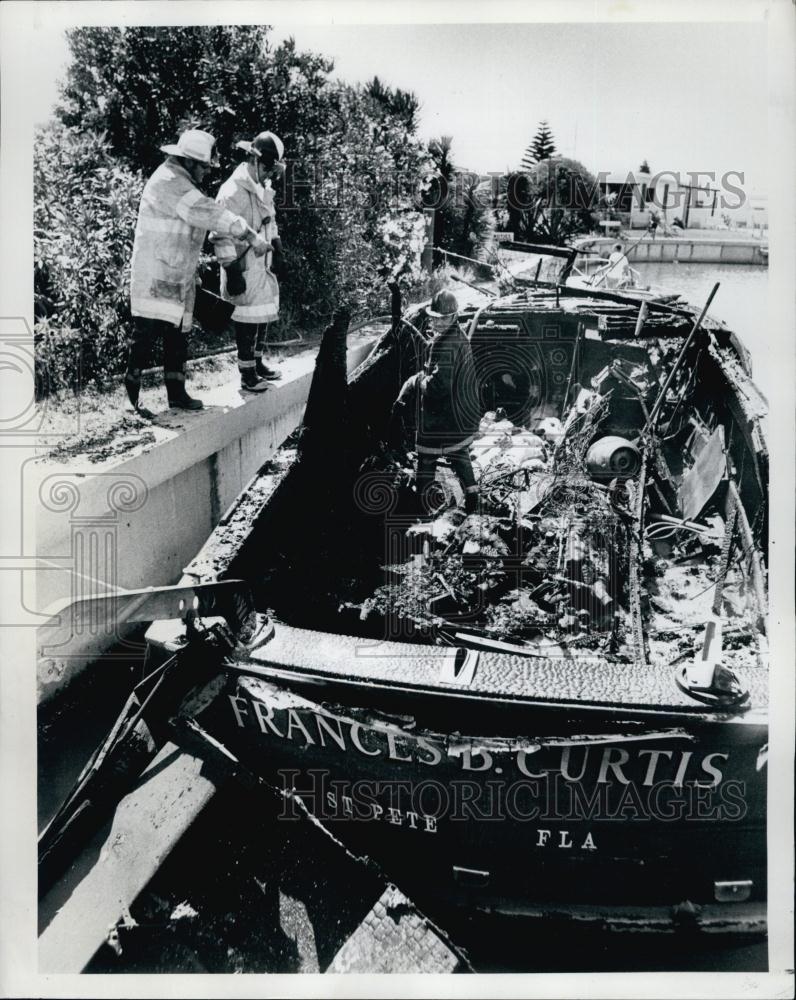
<point x="173" y="218"/>
<point x="449" y="403"/>
<point x="247" y="280"/>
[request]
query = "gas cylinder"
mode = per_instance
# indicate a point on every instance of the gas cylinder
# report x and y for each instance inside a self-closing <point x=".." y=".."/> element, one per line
<point x="613" y="456"/>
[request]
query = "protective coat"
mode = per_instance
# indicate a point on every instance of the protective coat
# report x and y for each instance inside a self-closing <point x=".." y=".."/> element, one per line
<point x="450" y="408"/>
<point x="242" y="195"/>
<point x="173" y="219"/>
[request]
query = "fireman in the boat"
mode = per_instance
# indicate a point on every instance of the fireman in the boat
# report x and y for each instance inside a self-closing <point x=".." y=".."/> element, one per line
<point x="449" y="410"/>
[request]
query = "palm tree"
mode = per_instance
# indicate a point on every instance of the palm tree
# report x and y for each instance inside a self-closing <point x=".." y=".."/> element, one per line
<point x="476" y="227"/>
<point x="439" y="194"/>
<point x="464" y="223"/>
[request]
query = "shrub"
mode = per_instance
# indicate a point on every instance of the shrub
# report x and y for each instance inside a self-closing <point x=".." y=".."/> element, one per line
<point x="363" y="210"/>
<point x="85" y="206"/>
<point x="346" y="207"/>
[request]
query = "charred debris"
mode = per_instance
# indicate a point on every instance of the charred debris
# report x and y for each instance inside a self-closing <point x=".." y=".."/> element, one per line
<point x="617" y="457"/>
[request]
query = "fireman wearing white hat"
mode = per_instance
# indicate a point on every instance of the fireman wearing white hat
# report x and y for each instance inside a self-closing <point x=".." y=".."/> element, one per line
<point x="173" y="218"/>
<point x="247" y="280"/>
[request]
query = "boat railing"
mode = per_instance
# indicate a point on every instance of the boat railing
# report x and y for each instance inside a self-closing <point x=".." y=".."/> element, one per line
<point x="596" y="277"/>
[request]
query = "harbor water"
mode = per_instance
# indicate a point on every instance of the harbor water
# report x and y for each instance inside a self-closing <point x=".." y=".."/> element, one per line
<point x="741" y="302"/>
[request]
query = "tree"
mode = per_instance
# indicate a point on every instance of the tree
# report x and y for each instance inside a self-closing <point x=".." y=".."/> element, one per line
<point x="352" y="156"/>
<point x="542" y="147"/>
<point x="84" y="211"/>
<point x="440" y="193"/>
<point x="402" y="104"/>
<point x="517" y="201"/>
<point x="552" y="202"/>
<point x="477" y="221"/>
<point x="143" y="86"/>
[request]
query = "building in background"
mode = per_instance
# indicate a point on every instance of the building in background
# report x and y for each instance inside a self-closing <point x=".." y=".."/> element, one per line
<point x="631" y="197"/>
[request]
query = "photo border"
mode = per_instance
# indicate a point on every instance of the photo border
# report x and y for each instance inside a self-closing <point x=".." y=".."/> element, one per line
<point x="18" y="971"/>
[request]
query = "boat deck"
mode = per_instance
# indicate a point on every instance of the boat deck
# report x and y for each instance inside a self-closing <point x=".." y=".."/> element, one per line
<point x="556" y="676"/>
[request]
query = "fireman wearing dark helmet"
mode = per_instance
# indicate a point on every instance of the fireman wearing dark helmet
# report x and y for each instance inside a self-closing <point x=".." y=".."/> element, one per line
<point x="449" y="406"/>
<point x="248" y="280"/>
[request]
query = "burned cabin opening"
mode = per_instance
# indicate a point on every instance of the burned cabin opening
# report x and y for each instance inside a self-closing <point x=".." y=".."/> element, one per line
<point x="622" y="490"/>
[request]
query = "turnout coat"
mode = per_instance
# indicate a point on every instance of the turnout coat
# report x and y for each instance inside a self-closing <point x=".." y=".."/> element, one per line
<point x="242" y="195"/>
<point x="173" y="219"/>
<point x="450" y="407"/>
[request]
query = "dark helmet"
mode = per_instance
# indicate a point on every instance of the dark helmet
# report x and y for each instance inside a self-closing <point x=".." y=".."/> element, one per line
<point x="265" y="146"/>
<point x="443" y="304"/>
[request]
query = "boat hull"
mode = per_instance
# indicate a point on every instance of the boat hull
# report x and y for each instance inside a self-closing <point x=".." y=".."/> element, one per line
<point x="564" y="780"/>
<point x="517" y="807"/>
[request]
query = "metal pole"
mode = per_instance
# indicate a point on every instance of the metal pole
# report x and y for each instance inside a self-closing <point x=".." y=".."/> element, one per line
<point x="575" y="352"/>
<point x="459" y="256"/>
<point x="483" y="291"/>
<point x="670" y="377"/>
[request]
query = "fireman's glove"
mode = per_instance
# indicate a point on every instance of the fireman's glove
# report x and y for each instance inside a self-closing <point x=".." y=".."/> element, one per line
<point x="260" y="245"/>
<point x="278" y="264"/>
<point x="236" y="282"/>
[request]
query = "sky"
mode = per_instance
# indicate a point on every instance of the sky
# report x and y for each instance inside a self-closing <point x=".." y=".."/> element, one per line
<point x="685" y="97"/>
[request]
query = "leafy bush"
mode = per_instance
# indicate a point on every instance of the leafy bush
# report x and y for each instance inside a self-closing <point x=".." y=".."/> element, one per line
<point x="144" y="85"/>
<point x="85" y="206"/>
<point x="346" y="207"/>
<point x="361" y="209"/>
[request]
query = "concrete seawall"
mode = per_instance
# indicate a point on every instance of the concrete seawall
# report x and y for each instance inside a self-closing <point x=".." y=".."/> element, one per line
<point x="686" y="251"/>
<point x="134" y="523"/>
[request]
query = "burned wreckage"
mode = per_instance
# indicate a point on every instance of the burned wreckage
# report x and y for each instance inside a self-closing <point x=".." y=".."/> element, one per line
<point x="555" y="705"/>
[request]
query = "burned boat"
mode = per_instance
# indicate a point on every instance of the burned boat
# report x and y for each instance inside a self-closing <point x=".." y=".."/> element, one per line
<point x="557" y="705"/>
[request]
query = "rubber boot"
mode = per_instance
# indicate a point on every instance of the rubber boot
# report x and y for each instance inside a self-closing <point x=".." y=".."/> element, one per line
<point x="251" y="382"/>
<point x="471" y="502"/>
<point x="263" y="371"/>
<point x="132" y="383"/>
<point x="261" y="367"/>
<point x="178" y="397"/>
<point x="175" y="353"/>
<point x="138" y="346"/>
<point x="462" y="467"/>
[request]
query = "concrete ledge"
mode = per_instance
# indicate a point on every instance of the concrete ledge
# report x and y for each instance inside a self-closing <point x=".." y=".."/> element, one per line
<point x="82" y="909"/>
<point x="136" y="522"/>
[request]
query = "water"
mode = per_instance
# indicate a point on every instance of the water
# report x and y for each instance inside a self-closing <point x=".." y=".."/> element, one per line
<point x="741" y="302"/>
